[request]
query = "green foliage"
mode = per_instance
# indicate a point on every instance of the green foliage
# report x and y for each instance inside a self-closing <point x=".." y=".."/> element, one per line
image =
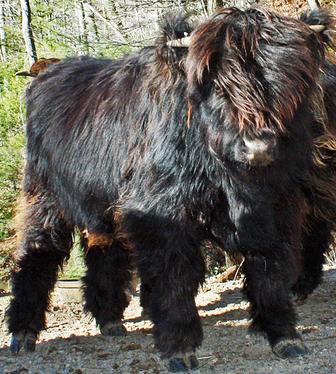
<point x="74" y="267"/>
<point x="114" y="51"/>
<point x="11" y="91"/>
<point x="11" y="142"/>
<point x="7" y="247"/>
<point x="10" y="172"/>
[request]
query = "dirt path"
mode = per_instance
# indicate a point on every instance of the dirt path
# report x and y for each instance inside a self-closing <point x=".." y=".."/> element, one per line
<point x="72" y="343"/>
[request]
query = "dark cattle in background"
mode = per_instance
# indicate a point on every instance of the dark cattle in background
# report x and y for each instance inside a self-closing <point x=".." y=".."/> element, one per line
<point x="150" y="155"/>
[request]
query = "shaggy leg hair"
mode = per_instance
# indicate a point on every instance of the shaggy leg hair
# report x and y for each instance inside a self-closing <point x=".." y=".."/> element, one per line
<point x="107" y="286"/>
<point x="174" y="279"/>
<point x="46" y="242"/>
<point x="316" y="242"/>
<point x="267" y="287"/>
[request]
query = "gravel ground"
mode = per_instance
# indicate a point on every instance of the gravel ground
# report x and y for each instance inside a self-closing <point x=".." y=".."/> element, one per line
<point x="72" y="343"/>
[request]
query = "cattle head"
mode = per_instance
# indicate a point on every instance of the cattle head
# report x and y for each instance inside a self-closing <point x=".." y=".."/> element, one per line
<point x="253" y="76"/>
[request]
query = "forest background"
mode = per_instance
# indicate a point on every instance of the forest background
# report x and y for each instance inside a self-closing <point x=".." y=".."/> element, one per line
<point x="62" y="28"/>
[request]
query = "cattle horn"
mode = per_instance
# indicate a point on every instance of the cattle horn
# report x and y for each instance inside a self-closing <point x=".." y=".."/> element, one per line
<point x="317" y="28"/>
<point x="183" y="42"/>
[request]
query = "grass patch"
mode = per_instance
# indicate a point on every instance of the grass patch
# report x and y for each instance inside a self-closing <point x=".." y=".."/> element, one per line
<point x="74" y="267"/>
<point x="7" y="248"/>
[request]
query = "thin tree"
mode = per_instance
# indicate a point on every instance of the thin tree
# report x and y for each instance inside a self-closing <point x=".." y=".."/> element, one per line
<point x="3" y="52"/>
<point x="83" y="31"/>
<point x="28" y="32"/>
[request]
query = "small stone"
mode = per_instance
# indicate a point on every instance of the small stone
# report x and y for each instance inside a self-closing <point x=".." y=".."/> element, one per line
<point x="324" y="320"/>
<point x="135" y="362"/>
<point x="19" y="370"/>
<point x="103" y="354"/>
<point x="151" y="348"/>
<point x="218" y="361"/>
<point x="131" y="347"/>
<point x="307" y="330"/>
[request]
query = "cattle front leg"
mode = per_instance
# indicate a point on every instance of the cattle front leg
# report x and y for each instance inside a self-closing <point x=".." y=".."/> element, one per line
<point x="107" y="286"/>
<point x="171" y="306"/>
<point x="170" y="263"/>
<point x="267" y="286"/>
<point x="46" y="242"/>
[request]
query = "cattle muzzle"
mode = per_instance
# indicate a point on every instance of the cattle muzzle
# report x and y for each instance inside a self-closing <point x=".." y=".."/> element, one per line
<point x="260" y="152"/>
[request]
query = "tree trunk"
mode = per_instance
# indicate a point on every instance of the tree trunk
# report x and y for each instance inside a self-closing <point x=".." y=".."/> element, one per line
<point x="3" y="52"/>
<point x="83" y="33"/>
<point x="94" y="26"/>
<point x="28" y="32"/>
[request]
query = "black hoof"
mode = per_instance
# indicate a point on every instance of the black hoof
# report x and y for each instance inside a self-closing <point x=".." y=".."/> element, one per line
<point x="16" y="343"/>
<point x="183" y="364"/>
<point x="30" y="342"/>
<point x="27" y="339"/>
<point x="113" y="329"/>
<point x="290" y="349"/>
<point x="193" y="362"/>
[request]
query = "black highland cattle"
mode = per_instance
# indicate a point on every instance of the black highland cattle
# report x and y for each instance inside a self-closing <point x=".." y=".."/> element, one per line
<point x="229" y="140"/>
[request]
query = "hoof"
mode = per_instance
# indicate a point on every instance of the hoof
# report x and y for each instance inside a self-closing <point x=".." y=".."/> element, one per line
<point x="290" y="349"/>
<point x="30" y="342"/>
<point x="113" y="329"/>
<point x="16" y="342"/>
<point x="183" y="364"/>
<point x="27" y="339"/>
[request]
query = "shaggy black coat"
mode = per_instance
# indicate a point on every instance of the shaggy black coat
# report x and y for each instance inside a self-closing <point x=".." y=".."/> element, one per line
<point x="149" y="156"/>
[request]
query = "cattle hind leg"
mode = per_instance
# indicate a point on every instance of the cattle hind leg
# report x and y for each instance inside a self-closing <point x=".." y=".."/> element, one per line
<point x="316" y="241"/>
<point x="108" y="285"/>
<point x="170" y="261"/>
<point x="267" y="286"/>
<point x="145" y="295"/>
<point x="46" y="242"/>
